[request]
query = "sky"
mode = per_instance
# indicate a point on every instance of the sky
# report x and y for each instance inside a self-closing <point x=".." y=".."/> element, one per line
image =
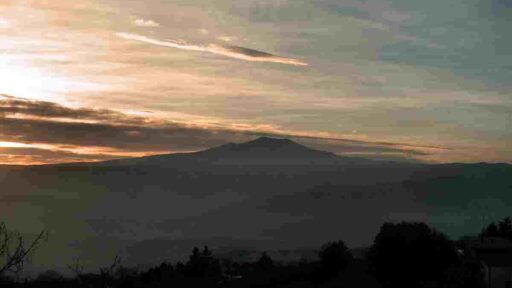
<point x="90" y="80"/>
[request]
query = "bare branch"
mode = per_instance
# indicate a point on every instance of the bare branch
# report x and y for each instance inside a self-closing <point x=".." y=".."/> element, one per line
<point x="108" y="271"/>
<point x="13" y="251"/>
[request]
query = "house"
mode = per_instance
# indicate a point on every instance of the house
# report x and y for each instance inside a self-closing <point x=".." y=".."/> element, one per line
<point x="495" y="255"/>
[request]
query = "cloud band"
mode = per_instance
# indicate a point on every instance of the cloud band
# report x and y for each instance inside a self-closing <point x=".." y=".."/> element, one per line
<point x="235" y="52"/>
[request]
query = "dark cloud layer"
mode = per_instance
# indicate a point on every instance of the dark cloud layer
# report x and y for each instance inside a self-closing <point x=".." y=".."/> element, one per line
<point x="130" y="137"/>
<point x="11" y="105"/>
<point x="249" y="52"/>
<point x="70" y="129"/>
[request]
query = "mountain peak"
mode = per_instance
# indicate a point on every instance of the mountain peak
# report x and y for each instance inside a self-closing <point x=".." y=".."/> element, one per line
<point x="268" y="141"/>
<point x="266" y="147"/>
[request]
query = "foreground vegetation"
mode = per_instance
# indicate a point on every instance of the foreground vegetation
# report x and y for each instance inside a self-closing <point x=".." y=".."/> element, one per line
<point x="402" y="255"/>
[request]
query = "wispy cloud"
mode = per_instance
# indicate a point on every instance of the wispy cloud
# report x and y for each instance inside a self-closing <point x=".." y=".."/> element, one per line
<point x="236" y="52"/>
<point x="145" y="23"/>
<point x="227" y="38"/>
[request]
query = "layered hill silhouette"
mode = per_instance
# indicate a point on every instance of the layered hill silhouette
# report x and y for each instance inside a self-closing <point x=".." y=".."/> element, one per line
<point x="266" y="194"/>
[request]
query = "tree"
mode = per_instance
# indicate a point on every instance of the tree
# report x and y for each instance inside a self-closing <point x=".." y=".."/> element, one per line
<point x="206" y="252"/>
<point x="412" y="255"/>
<point x="109" y="270"/>
<point x="14" y="251"/>
<point x="203" y="265"/>
<point x="195" y="257"/>
<point x="211" y="266"/>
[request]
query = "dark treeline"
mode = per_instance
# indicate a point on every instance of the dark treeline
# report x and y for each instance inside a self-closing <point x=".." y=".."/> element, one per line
<point x="402" y="255"/>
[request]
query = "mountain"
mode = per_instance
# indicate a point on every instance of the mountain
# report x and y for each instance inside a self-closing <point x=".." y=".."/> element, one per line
<point x="269" y="194"/>
<point x="264" y="150"/>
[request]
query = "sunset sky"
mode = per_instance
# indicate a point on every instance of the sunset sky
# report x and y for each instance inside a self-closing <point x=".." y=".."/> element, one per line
<point x="89" y="80"/>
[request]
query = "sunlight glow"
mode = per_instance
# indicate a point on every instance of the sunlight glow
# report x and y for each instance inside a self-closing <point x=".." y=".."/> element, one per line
<point x="21" y="79"/>
<point x="4" y="144"/>
<point x="4" y="23"/>
<point x="64" y="153"/>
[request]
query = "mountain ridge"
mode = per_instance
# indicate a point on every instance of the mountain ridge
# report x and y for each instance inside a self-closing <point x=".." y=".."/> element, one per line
<point x="262" y="149"/>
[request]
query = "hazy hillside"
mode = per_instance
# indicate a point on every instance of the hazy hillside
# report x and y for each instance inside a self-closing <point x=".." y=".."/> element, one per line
<point x="265" y="194"/>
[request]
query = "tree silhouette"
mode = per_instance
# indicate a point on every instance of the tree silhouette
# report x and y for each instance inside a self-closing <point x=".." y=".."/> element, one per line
<point x="195" y="257"/>
<point x="334" y="257"/>
<point x="265" y="262"/>
<point x="206" y="252"/>
<point x="505" y="228"/>
<point x="491" y="230"/>
<point x="502" y="229"/>
<point x="412" y="255"/>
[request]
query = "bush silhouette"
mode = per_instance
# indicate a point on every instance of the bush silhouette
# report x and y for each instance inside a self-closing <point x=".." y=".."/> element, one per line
<point x="50" y="276"/>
